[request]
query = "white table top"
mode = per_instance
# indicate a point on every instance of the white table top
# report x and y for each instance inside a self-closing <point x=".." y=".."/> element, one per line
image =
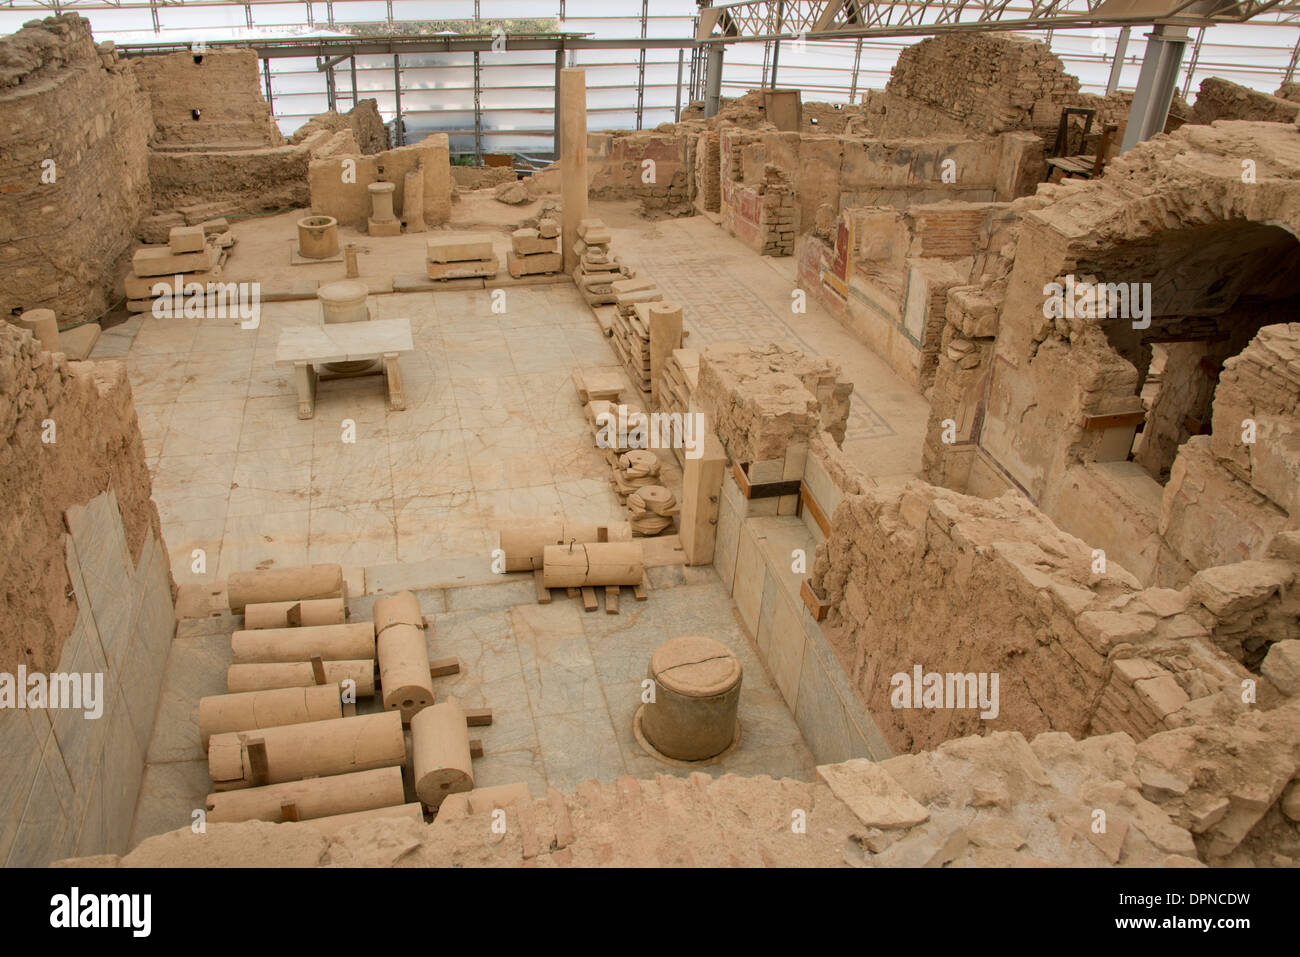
<point x="343" y="341"/>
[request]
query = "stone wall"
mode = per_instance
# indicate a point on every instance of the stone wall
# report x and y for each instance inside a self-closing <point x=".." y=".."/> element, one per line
<point x="346" y="199"/>
<point x="761" y="400"/>
<point x="364" y="121"/>
<point x="87" y="590"/>
<point x="1220" y="99"/>
<point x="224" y="86"/>
<point x="921" y="576"/>
<point x="65" y="227"/>
<point x="989" y="83"/>
<point x="651" y="166"/>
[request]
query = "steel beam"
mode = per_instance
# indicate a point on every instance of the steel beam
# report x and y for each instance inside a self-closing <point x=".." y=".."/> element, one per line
<point x="1156" y="84"/>
<point x="713" y="80"/>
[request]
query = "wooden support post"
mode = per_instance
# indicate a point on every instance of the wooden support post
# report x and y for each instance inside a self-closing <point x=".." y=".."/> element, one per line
<point x="293" y="616"/>
<point x="639" y="591"/>
<point x="318" y="669"/>
<point x="289" y="811"/>
<point x="476" y="747"/>
<point x="260" y="769"/>
<point x="611" y="599"/>
<point x="543" y="593"/>
<point x="588" y="598"/>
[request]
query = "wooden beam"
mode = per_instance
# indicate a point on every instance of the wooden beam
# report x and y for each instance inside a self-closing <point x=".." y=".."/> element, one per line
<point x="815" y="510"/>
<point x="1115" y="420"/>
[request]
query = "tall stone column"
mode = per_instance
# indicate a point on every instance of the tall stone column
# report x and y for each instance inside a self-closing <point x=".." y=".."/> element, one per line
<point x="573" y="159"/>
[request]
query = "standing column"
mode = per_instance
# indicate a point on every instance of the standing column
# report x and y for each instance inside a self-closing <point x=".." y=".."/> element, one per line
<point x="573" y="159"/>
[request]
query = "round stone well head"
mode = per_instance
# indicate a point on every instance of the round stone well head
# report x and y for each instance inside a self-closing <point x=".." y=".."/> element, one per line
<point x="693" y="717"/>
<point x="318" y="237"/>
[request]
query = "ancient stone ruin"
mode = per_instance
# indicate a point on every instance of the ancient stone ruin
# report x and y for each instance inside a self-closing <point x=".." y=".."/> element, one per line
<point x="939" y="479"/>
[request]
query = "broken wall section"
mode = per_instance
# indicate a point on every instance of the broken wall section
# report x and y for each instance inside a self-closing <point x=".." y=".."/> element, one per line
<point x="74" y="178"/>
<point x="222" y="86"/>
<point x="653" y="167"/>
<point x="1220" y="99"/>
<point x="338" y="180"/>
<point x="363" y="120"/>
<point x="922" y="576"/>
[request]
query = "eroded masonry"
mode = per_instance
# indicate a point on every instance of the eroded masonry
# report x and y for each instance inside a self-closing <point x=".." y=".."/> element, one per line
<point x="924" y="466"/>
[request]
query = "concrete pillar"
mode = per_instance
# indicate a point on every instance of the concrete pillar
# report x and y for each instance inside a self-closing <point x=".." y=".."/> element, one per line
<point x="713" y="80"/>
<point x="1156" y="84"/>
<point x="573" y="159"/>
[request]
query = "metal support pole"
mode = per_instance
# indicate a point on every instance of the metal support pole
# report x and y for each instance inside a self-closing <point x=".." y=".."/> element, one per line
<point x="389" y="4"/>
<point x="478" y="112"/>
<point x="1117" y="62"/>
<point x="640" y="74"/>
<point x="399" y="134"/>
<point x="559" y="65"/>
<point x="677" y="110"/>
<point x="353" y="60"/>
<point x="153" y="12"/>
<point x="328" y="67"/>
<point x="248" y="14"/>
<point x="767" y="60"/>
<point x="713" y="81"/>
<point x="310" y="20"/>
<point x="776" y="44"/>
<point x="329" y="10"/>
<point x="1290" y="67"/>
<point x="1191" y="64"/>
<point x="1156" y="84"/>
<point x="857" y="59"/>
<point x="266" y="72"/>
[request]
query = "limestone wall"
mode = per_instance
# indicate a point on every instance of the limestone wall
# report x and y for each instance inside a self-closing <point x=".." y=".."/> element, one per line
<point x="653" y="167"/>
<point x="1220" y="99"/>
<point x="345" y="197"/>
<point x="225" y="88"/>
<point x="989" y="83"/>
<point x="363" y="120"/>
<point x="87" y="590"/>
<point x="74" y="176"/>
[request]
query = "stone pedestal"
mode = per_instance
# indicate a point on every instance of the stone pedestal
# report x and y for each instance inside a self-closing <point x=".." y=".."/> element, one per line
<point x="345" y="302"/>
<point x="318" y="237"/>
<point x="382" y="220"/>
<point x="696" y="695"/>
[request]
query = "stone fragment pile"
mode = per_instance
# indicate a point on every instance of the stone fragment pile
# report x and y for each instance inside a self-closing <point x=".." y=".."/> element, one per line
<point x="535" y="251"/>
<point x="192" y="255"/>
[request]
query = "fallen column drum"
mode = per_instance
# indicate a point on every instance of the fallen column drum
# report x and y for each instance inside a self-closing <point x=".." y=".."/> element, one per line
<point x="283" y="584"/>
<point x="440" y="752"/>
<point x="576" y="566"/>
<point x="404" y="678"/>
<point x="273" y="708"/>
<point x="315" y="797"/>
<point x="524" y="544"/>
<point x="299" y="674"/>
<point x="276" y="614"/>
<point x="245" y="759"/>
<point x="331" y="642"/>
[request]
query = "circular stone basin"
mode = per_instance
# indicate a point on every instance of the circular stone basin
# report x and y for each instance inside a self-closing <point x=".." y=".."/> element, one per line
<point x="318" y="237"/>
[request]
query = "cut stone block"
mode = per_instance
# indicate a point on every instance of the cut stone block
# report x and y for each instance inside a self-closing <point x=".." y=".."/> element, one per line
<point x="548" y="228"/>
<point x="185" y="239"/>
<point x="387" y="227"/>
<point x="463" y="270"/>
<point x="526" y="242"/>
<point x="872" y="794"/>
<point x="533" y="265"/>
<point x="460" y="249"/>
<point x="161" y="261"/>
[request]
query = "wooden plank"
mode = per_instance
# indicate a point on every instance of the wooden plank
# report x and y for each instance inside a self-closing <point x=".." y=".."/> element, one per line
<point x="639" y="591"/>
<point x="543" y="593"/>
<point x="1116" y="420"/>
<point x="475" y="747"/>
<point x="293" y="617"/>
<point x="318" y="669"/>
<point x="260" y="773"/>
<point x="289" y="811"/>
<point x="478" y="717"/>
<point x="611" y="599"/>
<point x="442" y="667"/>
<point x="815" y="510"/>
<point x="817" y="605"/>
<point x="588" y="598"/>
